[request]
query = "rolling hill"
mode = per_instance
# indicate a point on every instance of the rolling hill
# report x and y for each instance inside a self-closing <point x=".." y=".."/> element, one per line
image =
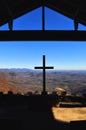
<point x="24" y="80"/>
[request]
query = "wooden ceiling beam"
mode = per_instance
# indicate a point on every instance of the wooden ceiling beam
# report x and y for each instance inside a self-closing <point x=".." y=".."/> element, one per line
<point x="48" y="35"/>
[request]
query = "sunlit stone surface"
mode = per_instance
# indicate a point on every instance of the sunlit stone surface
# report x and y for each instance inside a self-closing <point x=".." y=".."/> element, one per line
<point x="69" y="114"/>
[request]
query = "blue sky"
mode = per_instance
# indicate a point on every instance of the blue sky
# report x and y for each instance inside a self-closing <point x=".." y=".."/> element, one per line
<point x="61" y="55"/>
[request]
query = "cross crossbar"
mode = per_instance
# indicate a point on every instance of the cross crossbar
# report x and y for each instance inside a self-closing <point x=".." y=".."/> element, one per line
<point x="45" y="67"/>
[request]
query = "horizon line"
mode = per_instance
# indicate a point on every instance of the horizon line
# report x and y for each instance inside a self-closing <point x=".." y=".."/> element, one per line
<point x="46" y="69"/>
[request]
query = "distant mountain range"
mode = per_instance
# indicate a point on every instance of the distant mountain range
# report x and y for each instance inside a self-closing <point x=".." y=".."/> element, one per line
<point x="15" y="70"/>
<point x="31" y="70"/>
<point x="24" y="80"/>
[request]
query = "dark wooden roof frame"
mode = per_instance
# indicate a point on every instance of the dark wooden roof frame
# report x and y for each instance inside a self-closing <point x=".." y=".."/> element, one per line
<point x="12" y="9"/>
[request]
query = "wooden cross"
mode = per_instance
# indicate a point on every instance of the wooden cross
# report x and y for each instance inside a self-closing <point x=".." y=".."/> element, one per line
<point x="44" y="74"/>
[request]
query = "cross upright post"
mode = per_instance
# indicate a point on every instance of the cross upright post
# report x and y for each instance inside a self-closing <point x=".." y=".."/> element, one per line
<point x="44" y="67"/>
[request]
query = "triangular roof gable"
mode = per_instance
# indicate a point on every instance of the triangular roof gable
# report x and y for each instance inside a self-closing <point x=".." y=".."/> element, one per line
<point x="11" y="9"/>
